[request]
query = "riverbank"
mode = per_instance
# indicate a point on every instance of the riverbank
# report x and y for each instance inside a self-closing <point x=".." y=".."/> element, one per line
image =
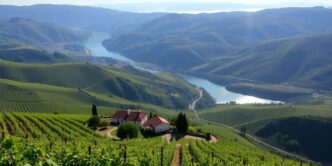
<point x="217" y="91"/>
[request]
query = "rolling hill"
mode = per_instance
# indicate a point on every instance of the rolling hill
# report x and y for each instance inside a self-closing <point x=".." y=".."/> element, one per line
<point x="32" y="55"/>
<point x="28" y="31"/>
<point x="299" y="61"/>
<point x="173" y="39"/>
<point x="300" y="129"/>
<point x="123" y="81"/>
<point x="22" y="34"/>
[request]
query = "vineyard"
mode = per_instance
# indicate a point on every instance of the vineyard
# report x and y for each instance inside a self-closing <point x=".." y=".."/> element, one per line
<point x="52" y="139"/>
<point x="36" y="98"/>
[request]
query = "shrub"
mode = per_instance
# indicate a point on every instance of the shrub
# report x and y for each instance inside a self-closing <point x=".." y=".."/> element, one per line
<point x="127" y="130"/>
<point x="93" y="122"/>
<point x="103" y="123"/>
<point x="191" y="130"/>
<point x="208" y="136"/>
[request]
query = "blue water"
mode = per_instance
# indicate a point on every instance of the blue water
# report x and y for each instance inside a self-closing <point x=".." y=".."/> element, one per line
<point x="218" y="92"/>
<point x="94" y="44"/>
<point x="222" y="95"/>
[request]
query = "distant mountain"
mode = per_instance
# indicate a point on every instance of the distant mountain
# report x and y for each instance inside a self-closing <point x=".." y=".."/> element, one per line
<point x="304" y="61"/>
<point x="28" y="31"/>
<point x="25" y="39"/>
<point x="183" y="40"/>
<point x="81" y="17"/>
<point x="182" y="7"/>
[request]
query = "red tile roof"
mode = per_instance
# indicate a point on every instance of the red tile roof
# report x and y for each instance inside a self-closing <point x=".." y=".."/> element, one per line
<point x="130" y="116"/>
<point x="136" y="116"/>
<point x="155" y="122"/>
<point x="120" y="115"/>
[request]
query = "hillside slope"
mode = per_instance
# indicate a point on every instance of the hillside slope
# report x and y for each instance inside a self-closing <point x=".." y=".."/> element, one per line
<point x="31" y="55"/>
<point x="300" y="61"/>
<point x="123" y="81"/>
<point x="29" y="31"/>
<point x="20" y="33"/>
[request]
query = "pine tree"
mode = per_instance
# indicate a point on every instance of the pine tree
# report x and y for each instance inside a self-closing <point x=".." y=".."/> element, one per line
<point x="182" y="123"/>
<point x="94" y="110"/>
<point x="150" y="115"/>
<point x="185" y="123"/>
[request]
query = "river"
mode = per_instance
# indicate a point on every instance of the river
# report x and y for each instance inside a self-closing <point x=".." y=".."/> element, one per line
<point x="218" y="92"/>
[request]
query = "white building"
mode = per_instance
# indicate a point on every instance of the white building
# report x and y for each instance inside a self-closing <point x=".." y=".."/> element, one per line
<point x="158" y="124"/>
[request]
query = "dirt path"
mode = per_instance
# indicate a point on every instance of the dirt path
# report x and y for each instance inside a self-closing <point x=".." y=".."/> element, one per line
<point x="176" y="161"/>
<point x="108" y="132"/>
<point x="168" y="138"/>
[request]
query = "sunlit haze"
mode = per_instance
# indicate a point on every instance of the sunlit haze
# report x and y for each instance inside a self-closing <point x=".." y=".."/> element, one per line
<point x="186" y="6"/>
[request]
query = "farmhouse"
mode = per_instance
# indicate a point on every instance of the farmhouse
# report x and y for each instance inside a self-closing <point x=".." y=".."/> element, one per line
<point x="126" y="115"/>
<point x="158" y="124"/>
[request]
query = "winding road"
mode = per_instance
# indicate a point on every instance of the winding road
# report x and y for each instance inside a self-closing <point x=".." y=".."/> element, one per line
<point x="193" y="105"/>
<point x="277" y="150"/>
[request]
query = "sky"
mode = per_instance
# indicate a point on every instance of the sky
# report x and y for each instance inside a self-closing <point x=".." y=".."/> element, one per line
<point x="96" y="2"/>
<point x="179" y="5"/>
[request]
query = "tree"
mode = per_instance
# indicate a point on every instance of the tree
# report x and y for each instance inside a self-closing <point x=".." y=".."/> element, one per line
<point x="243" y="130"/>
<point x="182" y="123"/>
<point x="93" y="122"/>
<point x="94" y="110"/>
<point x="208" y="136"/>
<point x="127" y="130"/>
<point x="150" y="115"/>
<point x="103" y="123"/>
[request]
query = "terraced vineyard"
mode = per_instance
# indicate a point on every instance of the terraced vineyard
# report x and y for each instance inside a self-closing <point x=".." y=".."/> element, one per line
<point x="64" y="139"/>
<point x="17" y="99"/>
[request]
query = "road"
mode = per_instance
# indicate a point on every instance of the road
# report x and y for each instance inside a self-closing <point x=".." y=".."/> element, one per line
<point x="192" y="107"/>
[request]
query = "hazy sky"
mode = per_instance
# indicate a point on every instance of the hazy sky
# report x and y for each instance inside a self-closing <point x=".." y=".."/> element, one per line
<point x="96" y="2"/>
<point x="180" y="6"/>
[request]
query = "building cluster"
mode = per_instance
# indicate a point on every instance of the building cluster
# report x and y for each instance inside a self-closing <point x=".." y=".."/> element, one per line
<point x="157" y="123"/>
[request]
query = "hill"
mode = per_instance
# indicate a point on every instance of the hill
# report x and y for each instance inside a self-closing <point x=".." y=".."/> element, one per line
<point x="307" y="136"/>
<point x="289" y="127"/>
<point x="29" y="31"/>
<point x="300" y="61"/>
<point x="123" y="81"/>
<point x="81" y="17"/>
<point x="18" y="33"/>
<point x="31" y="55"/>
<point x="173" y="39"/>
